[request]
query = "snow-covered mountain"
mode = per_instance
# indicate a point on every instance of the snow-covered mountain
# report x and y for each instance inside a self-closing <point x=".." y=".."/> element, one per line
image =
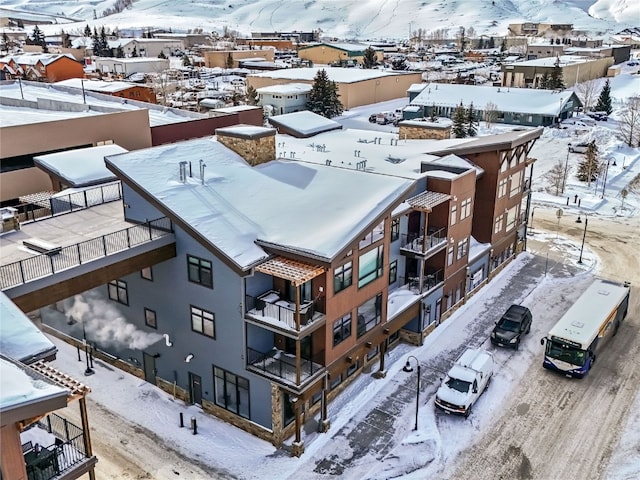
<point x="357" y="19"/>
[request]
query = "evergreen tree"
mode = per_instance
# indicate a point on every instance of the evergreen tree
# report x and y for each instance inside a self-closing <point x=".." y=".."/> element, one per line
<point x="134" y="52"/>
<point x="471" y="121"/>
<point x="491" y="43"/>
<point x="503" y="46"/>
<point x="369" y="58"/>
<point x="119" y="52"/>
<point x="433" y="116"/>
<point x="324" y="98"/>
<point x="252" y="95"/>
<point x="37" y="37"/>
<point x="5" y="41"/>
<point x="65" y="39"/>
<point x="186" y="61"/>
<point x="604" y="100"/>
<point x="459" y="128"/>
<point x="544" y="81"/>
<point x="162" y="55"/>
<point x="87" y="31"/>
<point x="104" y="43"/>
<point x="590" y="167"/>
<point x="96" y="44"/>
<point x="556" y="81"/>
<point x="229" y="60"/>
<point x="399" y="63"/>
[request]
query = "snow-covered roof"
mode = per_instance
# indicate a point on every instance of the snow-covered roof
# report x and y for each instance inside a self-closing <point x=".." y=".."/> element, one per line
<point x="236" y="108"/>
<point x="100" y="86"/>
<point x="238" y="205"/>
<point x="33" y="58"/>
<point x="348" y="47"/>
<point x="305" y="123"/>
<point x="563" y="60"/>
<point x="416" y="87"/>
<point x="518" y="100"/>
<point x="82" y="166"/>
<point x="20" y="339"/>
<point x="134" y="60"/>
<point x="286" y="88"/>
<point x="335" y="74"/>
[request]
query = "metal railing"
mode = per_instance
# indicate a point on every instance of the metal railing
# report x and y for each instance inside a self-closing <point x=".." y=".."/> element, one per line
<point x="23" y="271"/>
<point x="431" y="279"/>
<point x="72" y="202"/>
<point x="283" y="365"/>
<point x="48" y="462"/>
<point x="419" y="244"/>
<point x="269" y="304"/>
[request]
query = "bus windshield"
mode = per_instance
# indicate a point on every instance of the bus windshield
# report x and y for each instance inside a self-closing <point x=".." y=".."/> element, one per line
<point x="566" y="353"/>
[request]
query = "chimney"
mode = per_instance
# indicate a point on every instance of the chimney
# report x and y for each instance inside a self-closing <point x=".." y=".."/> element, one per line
<point x="255" y="144"/>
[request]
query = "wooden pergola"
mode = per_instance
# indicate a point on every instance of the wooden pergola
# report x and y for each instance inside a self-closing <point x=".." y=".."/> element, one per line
<point x="294" y="271"/>
<point x="426" y="201"/>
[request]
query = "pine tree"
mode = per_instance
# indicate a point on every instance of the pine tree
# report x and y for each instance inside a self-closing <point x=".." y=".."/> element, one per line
<point x="96" y="44"/>
<point x="65" y="39"/>
<point x="252" y="95"/>
<point x="590" y="167"/>
<point x="119" y="52"/>
<point x="134" y="52"/>
<point x="104" y="43"/>
<point x="544" y="81"/>
<point x="369" y="58"/>
<point x="471" y="121"/>
<point x="186" y="61"/>
<point x="37" y="37"/>
<point x="459" y="128"/>
<point x="604" y="100"/>
<point x="162" y="55"/>
<point x="555" y="80"/>
<point x="324" y="98"/>
<point x="87" y="31"/>
<point x="229" y="60"/>
<point x="399" y="63"/>
<point x="491" y="43"/>
<point x="5" y="41"/>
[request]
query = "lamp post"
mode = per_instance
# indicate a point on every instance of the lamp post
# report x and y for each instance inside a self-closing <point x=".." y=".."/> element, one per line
<point x="533" y="210"/>
<point x="604" y="183"/>
<point x="407" y="368"/>
<point x="89" y="370"/>
<point x="584" y="234"/>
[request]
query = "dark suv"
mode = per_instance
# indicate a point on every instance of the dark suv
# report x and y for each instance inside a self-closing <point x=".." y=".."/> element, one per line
<point x="508" y="330"/>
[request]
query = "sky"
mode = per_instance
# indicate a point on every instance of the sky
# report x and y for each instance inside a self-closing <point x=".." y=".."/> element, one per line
<point x="362" y="19"/>
<point x="429" y="451"/>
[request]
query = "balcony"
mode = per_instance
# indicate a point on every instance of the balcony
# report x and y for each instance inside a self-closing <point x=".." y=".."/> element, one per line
<point x="64" y="456"/>
<point x="272" y="309"/>
<point x="279" y="365"/>
<point x="431" y="280"/>
<point x="417" y="244"/>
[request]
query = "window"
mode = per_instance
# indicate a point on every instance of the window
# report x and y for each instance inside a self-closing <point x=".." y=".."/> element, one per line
<point x="450" y="255"/>
<point x="203" y="322"/>
<point x="118" y="291"/>
<point x="150" y="318"/>
<point x="353" y="368"/>
<point x="341" y="329"/>
<point x="147" y="274"/>
<point x="454" y="214"/>
<point x="465" y="208"/>
<point x="462" y="248"/>
<point x="516" y="180"/>
<point x="231" y="392"/>
<point x="512" y="215"/>
<point x="369" y="314"/>
<point x="372" y="353"/>
<point x="370" y="266"/>
<point x="373" y="236"/>
<point x="200" y="271"/>
<point x="502" y="187"/>
<point x="395" y="229"/>
<point x="393" y="272"/>
<point x="342" y="277"/>
<point x="497" y="228"/>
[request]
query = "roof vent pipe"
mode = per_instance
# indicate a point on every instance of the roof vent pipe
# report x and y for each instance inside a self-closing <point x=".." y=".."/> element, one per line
<point x="183" y="172"/>
<point x="202" y="165"/>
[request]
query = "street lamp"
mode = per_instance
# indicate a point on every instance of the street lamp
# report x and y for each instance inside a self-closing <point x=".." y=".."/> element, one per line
<point x="533" y="210"/>
<point x="584" y="234"/>
<point x="89" y="370"/>
<point x="407" y="368"/>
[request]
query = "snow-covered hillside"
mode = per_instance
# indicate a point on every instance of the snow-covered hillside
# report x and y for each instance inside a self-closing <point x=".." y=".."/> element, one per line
<point x="361" y="19"/>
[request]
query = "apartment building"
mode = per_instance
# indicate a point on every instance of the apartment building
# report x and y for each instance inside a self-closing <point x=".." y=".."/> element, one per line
<point x="296" y="263"/>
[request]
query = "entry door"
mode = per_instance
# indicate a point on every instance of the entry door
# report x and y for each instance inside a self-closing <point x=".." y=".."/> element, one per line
<point x="195" y="388"/>
<point x="149" y="367"/>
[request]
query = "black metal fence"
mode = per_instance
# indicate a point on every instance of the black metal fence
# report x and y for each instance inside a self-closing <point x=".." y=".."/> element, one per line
<point x="283" y="365"/>
<point x="39" y="266"/>
<point x="418" y="243"/>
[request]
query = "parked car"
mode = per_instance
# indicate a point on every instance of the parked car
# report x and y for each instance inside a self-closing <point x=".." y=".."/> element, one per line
<point x="384" y="118"/>
<point x="373" y="117"/>
<point x="515" y="322"/>
<point x="599" y="116"/>
<point x="467" y="379"/>
<point x="578" y="147"/>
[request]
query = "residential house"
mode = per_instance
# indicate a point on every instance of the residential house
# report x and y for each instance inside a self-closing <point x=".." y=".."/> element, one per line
<point x="147" y="47"/>
<point x="31" y="391"/>
<point x="337" y="54"/>
<point x="41" y="67"/>
<point x="126" y="67"/>
<point x="518" y="106"/>
<point x="220" y="58"/>
<point x="286" y="98"/>
<point x="356" y="86"/>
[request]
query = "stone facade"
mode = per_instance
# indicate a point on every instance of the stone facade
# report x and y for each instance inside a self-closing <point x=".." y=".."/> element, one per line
<point x="429" y="130"/>
<point x="255" y="147"/>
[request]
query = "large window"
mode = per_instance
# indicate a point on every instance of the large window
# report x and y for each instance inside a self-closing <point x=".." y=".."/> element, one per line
<point x="393" y="272"/>
<point x="203" y="322"/>
<point x="454" y="214"/>
<point x="231" y="392"/>
<point x="118" y="291"/>
<point x="502" y="187"/>
<point x="512" y="215"/>
<point x="373" y="236"/>
<point x="395" y="229"/>
<point x="341" y="329"/>
<point x="463" y="245"/>
<point x="200" y="271"/>
<point x="342" y="277"/>
<point x="465" y="208"/>
<point x="369" y="314"/>
<point x="450" y="255"/>
<point x="370" y="266"/>
<point x="516" y="181"/>
<point x="497" y="227"/>
<point x="150" y="318"/>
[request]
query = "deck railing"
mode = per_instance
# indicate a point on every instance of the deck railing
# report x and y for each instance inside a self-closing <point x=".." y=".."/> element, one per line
<point x="283" y="365"/>
<point x="23" y="271"/>
<point x="419" y="244"/>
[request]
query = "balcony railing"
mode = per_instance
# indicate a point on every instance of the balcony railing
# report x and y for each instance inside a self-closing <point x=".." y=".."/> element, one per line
<point x="419" y="244"/>
<point x="282" y="365"/>
<point x="23" y="271"/>
<point x="68" y="451"/>
<point x="271" y="306"/>
<point x="431" y="280"/>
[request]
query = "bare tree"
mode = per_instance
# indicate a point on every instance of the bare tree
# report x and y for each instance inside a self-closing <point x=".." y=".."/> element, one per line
<point x="490" y="113"/>
<point x="556" y="176"/>
<point x="588" y="92"/>
<point x="630" y="122"/>
<point x="623" y="194"/>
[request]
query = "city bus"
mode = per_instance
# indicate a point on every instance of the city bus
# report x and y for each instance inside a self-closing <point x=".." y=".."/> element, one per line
<point x="572" y="344"/>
